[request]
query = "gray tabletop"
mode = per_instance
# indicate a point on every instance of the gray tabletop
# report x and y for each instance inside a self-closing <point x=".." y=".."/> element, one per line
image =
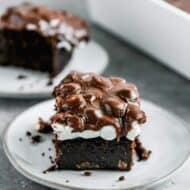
<point x="156" y="83"/>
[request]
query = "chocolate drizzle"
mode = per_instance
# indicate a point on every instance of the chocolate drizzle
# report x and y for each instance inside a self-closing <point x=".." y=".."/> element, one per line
<point x="142" y="152"/>
<point x="90" y="101"/>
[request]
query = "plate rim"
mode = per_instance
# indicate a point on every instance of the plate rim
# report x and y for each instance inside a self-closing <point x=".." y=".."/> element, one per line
<point x="45" y="94"/>
<point x="58" y="186"/>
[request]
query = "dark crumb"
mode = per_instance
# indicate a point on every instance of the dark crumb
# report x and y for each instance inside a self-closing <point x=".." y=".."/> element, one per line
<point x="53" y="141"/>
<point x="20" y="77"/>
<point x="44" y="127"/>
<point x="50" y="169"/>
<point x="67" y="181"/>
<point x="49" y="149"/>
<point x="20" y="139"/>
<point x="87" y="173"/>
<point x="43" y="154"/>
<point x="142" y="153"/>
<point x="121" y="178"/>
<point x="50" y="82"/>
<point x="28" y="134"/>
<point x="51" y="159"/>
<point x="36" y="139"/>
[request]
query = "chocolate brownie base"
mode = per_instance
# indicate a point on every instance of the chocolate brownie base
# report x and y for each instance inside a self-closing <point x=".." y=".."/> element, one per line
<point x="39" y="38"/>
<point x="30" y="50"/>
<point x="94" y="153"/>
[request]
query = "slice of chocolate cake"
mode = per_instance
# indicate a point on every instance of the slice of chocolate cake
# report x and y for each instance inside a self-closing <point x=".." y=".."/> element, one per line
<point x="37" y="38"/>
<point x="97" y="123"/>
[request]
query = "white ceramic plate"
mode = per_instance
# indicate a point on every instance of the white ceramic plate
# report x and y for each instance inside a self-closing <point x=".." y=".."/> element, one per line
<point x="165" y="135"/>
<point x="90" y="58"/>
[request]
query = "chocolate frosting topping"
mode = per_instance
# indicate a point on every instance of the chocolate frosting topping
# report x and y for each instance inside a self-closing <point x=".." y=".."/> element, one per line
<point x="62" y="25"/>
<point x="90" y="102"/>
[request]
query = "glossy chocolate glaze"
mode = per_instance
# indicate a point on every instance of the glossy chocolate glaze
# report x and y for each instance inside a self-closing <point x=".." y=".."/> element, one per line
<point x="181" y="4"/>
<point x="59" y="24"/>
<point x="90" y="101"/>
<point x="142" y="152"/>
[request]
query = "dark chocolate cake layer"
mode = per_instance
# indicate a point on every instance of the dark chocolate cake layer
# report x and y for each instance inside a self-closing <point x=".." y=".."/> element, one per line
<point x="94" y="154"/>
<point x="35" y="37"/>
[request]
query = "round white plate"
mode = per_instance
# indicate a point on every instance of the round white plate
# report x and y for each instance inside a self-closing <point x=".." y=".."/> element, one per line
<point x="91" y="58"/>
<point x="164" y="134"/>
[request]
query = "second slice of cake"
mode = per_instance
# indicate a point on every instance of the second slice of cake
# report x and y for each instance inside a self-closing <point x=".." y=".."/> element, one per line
<point x="38" y="38"/>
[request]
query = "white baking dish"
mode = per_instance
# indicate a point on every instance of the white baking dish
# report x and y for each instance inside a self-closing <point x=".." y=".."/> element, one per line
<point x="156" y="27"/>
